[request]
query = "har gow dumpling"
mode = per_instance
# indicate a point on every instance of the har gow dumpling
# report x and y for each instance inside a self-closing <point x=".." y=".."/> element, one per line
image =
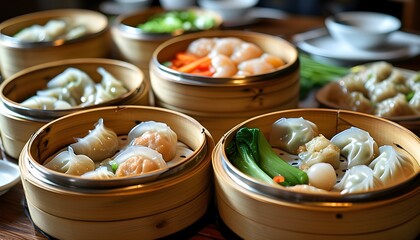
<point x="356" y="145"/>
<point x="101" y="172"/>
<point x="391" y="166"/>
<point x="99" y="144"/>
<point x="358" y="179"/>
<point x="289" y="134"/>
<point x="135" y="160"/>
<point x="45" y="103"/>
<point x="156" y="135"/>
<point x="70" y="163"/>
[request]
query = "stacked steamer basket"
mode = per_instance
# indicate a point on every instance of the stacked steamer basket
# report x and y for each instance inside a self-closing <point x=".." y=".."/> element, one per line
<point x="221" y="103"/>
<point x="254" y="210"/>
<point x="135" y="46"/>
<point x="17" y="55"/>
<point x="148" y="206"/>
<point x="18" y="123"/>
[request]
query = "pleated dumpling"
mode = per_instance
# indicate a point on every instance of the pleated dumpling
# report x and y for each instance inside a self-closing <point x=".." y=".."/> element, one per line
<point x="136" y="160"/>
<point x="289" y="134"/>
<point x="70" y="163"/>
<point x="156" y="135"/>
<point x="358" y="179"/>
<point x="102" y="172"/>
<point x="45" y="103"/>
<point x="99" y="144"/>
<point x="391" y="166"/>
<point x="356" y="145"/>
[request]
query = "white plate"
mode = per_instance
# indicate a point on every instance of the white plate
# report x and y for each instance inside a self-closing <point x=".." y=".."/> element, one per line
<point x="318" y="42"/>
<point x="9" y="176"/>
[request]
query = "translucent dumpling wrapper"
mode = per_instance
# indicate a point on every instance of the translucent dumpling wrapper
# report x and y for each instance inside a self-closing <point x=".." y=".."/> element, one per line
<point x="45" y="103"/>
<point x="356" y="145"/>
<point x="317" y="150"/>
<point x="75" y="80"/>
<point x="358" y="179"/>
<point x="392" y="166"/>
<point x="156" y="135"/>
<point x="58" y="93"/>
<point x="289" y="134"/>
<point x="101" y="172"/>
<point x="70" y="163"/>
<point x="99" y="144"/>
<point x="137" y="160"/>
<point x="111" y="85"/>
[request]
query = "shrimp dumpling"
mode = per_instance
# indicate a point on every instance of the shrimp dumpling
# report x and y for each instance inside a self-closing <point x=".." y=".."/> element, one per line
<point x="358" y="179"/>
<point x="156" y="135"/>
<point x="391" y="166"/>
<point x="99" y="144"/>
<point x="102" y="172"/>
<point x="45" y="103"/>
<point x="70" y="163"/>
<point x="289" y="134"/>
<point x="112" y="86"/>
<point x="356" y="145"/>
<point x="136" y="160"/>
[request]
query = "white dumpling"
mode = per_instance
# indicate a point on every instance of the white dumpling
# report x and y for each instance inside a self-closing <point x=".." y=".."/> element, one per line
<point x="35" y="33"/>
<point x="322" y="175"/>
<point x="99" y="144"/>
<point x="135" y="160"/>
<point x="356" y="145"/>
<point x="289" y="134"/>
<point x="70" y="163"/>
<point x="111" y="85"/>
<point x="76" y="32"/>
<point x="54" y="29"/>
<point x="45" y="103"/>
<point x="358" y="179"/>
<point x="156" y="135"/>
<point x="101" y="172"/>
<point x="58" y="93"/>
<point x="75" y="80"/>
<point x="391" y="166"/>
<point x="319" y="150"/>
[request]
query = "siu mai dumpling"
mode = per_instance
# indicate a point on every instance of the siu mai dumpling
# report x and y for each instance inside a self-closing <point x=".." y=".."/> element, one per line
<point x="70" y="163"/>
<point x="156" y="135"/>
<point x="136" y="160"/>
<point x="289" y="134"/>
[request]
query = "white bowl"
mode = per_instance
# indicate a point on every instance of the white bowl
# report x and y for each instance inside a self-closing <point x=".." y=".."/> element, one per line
<point x="230" y="10"/>
<point x="365" y="30"/>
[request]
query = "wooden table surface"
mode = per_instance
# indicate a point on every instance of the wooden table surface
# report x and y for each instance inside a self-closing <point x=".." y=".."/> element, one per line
<point x="15" y="223"/>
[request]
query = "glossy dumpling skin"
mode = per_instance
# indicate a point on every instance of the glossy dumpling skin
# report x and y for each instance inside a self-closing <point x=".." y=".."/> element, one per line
<point x="102" y="172"/>
<point x="358" y="179"/>
<point x="70" y="163"/>
<point x="156" y="135"/>
<point x="45" y="103"/>
<point x="289" y="134"/>
<point x="356" y="145"/>
<point x="99" y="144"/>
<point x="136" y="160"/>
<point x="391" y="166"/>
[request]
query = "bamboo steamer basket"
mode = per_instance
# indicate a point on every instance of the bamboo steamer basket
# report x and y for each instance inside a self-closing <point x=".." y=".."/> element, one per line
<point x="17" y="123"/>
<point x="221" y="103"/>
<point x="152" y="209"/>
<point x="253" y="213"/>
<point x="17" y="55"/>
<point x="132" y="45"/>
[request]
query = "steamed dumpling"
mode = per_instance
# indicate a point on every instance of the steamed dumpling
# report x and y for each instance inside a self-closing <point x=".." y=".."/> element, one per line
<point x="99" y="144"/>
<point x="356" y="145"/>
<point x="289" y="134"/>
<point x="45" y="103"/>
<point x="156" y="135"/>
<point x="358" y="179"/>
<point x="391" y="166"/>
<point x="136" y="160"/>
<point x="102" y="172"/>
<point x="70" y="163"/>
<point x="319" y="150"/>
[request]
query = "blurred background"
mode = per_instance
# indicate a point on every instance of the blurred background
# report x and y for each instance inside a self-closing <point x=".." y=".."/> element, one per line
<point x="404" y="9"/>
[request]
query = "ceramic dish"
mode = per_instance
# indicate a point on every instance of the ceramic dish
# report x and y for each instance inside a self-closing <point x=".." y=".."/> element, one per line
<point x="9" y="176"/>
<point x="320" y="44"/>
<point x="328" y="96"/>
